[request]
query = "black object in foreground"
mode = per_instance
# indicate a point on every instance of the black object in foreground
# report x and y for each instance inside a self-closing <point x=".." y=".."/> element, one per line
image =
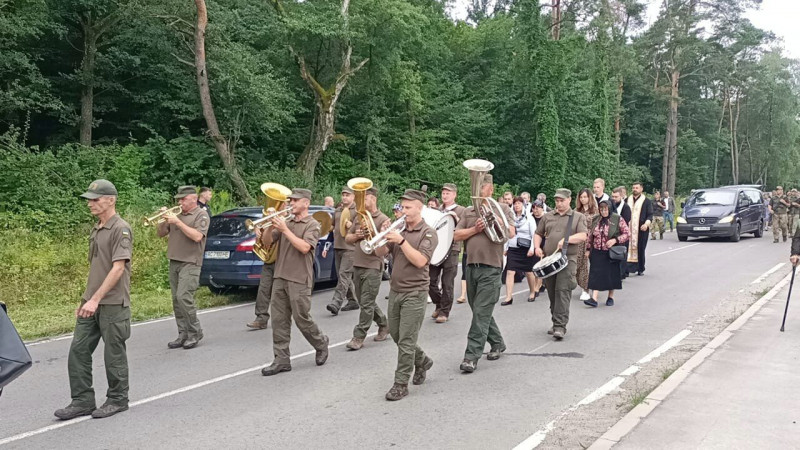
<point x="14" y="357"/>
<point x="786" y="310"/>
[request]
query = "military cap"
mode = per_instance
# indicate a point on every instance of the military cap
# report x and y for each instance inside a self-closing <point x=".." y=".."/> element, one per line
<point x="450" y="187"/>
<point x="183" y="191"/>
<point x="99" y="188"/>
<point x="563" y="193"/>
<point x="413" y="194"/>
<point x="298" y="193"/>
<point x="347" y="189"/>
<point x="373" y="191"/>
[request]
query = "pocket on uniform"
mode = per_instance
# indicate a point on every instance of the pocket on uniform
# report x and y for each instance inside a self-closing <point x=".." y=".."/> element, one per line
<point x="117" y="320"/>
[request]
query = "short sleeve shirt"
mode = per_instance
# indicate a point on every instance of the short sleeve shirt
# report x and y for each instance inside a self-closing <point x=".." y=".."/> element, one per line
<point x="339" y="243"/>
<point x="361" y="259"/>
<point x="777" y="206"/>
<point x="291" y="265"/>
<point x="179" y="246"/>
<point x="406" y="277"/>
<point x="479" y="248"/>
<point x="107" y="244"/>
<point x="457" y="210"/>
<point x="553" y="227"/>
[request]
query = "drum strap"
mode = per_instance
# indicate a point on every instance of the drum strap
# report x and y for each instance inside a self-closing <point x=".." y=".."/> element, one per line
<point x="569" y="233"/>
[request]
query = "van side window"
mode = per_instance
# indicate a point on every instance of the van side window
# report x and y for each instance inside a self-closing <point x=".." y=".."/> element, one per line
<point x="755" y="196"/>
<point x="743" y="199"/>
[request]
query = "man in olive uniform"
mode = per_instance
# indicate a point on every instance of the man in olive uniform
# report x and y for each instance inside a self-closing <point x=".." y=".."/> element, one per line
<point x="264" y="290"/>
<point x="779" y="208"/>
<point x="448" y="269"/>
<point x="408" y="295"/>
<point x="367" y="274"/>
<point x="552" y="229"/>
<point x="794" y="210"/>
<point x="104" y="311"/>
<point x="484" y="267"/>
<point x="186" y="234"/>
<point x="344" y="257"/>
<point x="291" y="290"/>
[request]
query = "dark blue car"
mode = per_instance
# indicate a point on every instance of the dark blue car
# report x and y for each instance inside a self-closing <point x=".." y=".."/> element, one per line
<point x="229" y="260"/>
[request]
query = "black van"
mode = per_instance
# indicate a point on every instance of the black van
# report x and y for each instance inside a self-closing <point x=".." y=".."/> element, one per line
<point x="727" y="211"/>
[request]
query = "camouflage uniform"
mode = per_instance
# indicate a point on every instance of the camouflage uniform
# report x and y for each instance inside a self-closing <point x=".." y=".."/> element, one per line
<point x="780" y="217"/>
<point x="794" y="211"/>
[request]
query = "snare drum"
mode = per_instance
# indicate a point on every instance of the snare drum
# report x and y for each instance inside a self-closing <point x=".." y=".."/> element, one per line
<point x="550" y="265"/>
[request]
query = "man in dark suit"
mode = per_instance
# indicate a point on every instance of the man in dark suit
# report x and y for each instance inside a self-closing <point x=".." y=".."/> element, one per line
<point x="641" y="218"/>
<point x="622" y="208"/>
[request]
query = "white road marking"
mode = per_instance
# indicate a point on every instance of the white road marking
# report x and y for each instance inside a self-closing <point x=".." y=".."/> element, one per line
<point x="160" y="396"/>
<point x="664" y="347"/>
<point x="768" y="273"/>
<point x="675" y="249"/>
<point x="537" y="438"/>
<point x="540" y="347"/>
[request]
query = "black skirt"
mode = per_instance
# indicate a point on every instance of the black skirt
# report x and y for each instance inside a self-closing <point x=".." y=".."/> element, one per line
<point x="604" y="273"/>
<point x="518" y="260"/>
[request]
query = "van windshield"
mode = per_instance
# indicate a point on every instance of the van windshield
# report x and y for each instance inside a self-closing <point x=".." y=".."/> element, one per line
<point x="711" y="198"/>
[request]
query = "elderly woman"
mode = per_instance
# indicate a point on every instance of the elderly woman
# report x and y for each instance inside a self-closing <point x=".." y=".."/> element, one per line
<point x="607" y="230"/>
<point x="519" y="252"/>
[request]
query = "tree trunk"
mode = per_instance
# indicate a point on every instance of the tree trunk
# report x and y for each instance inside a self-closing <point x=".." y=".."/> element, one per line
<point x="221" y="144"/>
<point x="670" y="163"/>
<point x="87" y="81"/>
<point x="618" y="117"/>
<point x="320" y="138"/>
<point x="556" y="20"/>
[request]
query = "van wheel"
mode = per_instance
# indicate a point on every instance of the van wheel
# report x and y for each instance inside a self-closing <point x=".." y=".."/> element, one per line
<point x="737" y="234"/>
<point x="760" y="230"/>
<point x="683" y="238"/>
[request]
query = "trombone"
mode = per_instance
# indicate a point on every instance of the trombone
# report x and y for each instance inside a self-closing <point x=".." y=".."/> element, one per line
<point x="161" y="216"/>
<point x="369" y="246"/>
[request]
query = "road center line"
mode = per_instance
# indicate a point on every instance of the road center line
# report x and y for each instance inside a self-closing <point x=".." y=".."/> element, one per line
<point x="768" y="273"/>
<point x="676" y="249"/>
<point x="162" y="395"/>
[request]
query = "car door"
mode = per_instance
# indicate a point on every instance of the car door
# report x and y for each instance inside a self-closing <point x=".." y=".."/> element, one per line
<point x="745" y="212"/>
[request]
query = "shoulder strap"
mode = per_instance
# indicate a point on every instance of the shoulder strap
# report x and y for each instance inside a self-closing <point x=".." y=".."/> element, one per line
<point x="569" y="232"/>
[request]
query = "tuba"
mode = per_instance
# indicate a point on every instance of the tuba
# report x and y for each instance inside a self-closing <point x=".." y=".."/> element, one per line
<point x="276" y="197"/>
<point x="487" y="208"/>
<point x="359" y="187"/>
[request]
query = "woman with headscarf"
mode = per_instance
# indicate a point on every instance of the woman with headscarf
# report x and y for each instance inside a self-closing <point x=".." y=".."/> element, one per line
<point x="607" y="230"/>
<point x="520" y="256"/>
<point x="585" y="204"/>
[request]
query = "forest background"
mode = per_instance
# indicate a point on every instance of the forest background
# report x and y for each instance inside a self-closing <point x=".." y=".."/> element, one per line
<point x="232" y="93"/>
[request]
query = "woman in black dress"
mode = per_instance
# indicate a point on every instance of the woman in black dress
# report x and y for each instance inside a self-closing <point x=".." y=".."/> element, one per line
<point x="607" y="230"/>
<point x="520" y="256"/>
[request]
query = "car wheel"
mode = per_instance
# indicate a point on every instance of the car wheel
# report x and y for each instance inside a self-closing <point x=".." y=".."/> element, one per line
<point x="737" y="234"/>
<point x="219" y="290"/>
<point x="683" y="238"/>
<point x="760" y="230"/>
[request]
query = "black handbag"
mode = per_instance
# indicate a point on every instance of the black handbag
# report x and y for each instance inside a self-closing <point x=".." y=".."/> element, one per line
<point x="14" y="357"/>
<point x="618" y="253"/>
<point x="523" y="243"/>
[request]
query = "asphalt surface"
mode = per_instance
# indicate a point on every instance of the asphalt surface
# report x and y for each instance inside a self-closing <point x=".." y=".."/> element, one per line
<point x="214" y="395"/>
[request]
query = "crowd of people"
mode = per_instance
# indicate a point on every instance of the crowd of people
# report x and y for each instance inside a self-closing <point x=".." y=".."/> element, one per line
<point x="598" y="238"/>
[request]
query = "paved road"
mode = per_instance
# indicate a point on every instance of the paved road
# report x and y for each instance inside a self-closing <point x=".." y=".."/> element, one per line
<point x="215" y="395"/>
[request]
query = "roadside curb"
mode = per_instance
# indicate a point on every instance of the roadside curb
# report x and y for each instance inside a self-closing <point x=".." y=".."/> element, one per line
<point x="662" y="391"/>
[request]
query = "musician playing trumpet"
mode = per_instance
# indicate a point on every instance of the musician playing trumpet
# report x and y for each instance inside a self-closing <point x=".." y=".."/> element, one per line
<point x="187" y="240"/>
<point x="367" y="274"/>
<point x="412" y="249"/>
<point x="484" y="268"/>
<point x="552" y="229"/>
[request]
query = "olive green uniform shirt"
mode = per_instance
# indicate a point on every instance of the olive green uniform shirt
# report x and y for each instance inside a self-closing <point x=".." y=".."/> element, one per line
<point x="339" y="243"/>
<point x="777" y="206"/>
<point x="479" y="248"/>
<point x="407" y="277"/>
<point x="291" y="265"/>
<point x="361" y="259"/>
<point x="111" y="242"/>
<point x="793" y="200"/>
<point x="553" y="227"/>
<point x="457" y="210"/>
<point x="179" y="246"/>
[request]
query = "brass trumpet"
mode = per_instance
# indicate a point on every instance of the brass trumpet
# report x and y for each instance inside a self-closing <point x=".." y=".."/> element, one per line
<point x="369" y="246"/>
<point x="161" y="216"/>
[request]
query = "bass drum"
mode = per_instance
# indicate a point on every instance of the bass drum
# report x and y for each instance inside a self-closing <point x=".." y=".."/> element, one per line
<point x="445" y="226"/>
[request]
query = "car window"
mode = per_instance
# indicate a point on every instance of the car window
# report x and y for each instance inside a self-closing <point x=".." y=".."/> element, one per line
<point x="743" y="199"/>
<point x="231" y="227"/>
<point x="755" y="196"/>
<point x="711" y="198"/>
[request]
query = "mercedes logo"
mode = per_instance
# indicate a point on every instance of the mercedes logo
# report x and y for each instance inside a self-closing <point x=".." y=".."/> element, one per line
<point x="702" y="220"/>
<point x="217" y="242"/>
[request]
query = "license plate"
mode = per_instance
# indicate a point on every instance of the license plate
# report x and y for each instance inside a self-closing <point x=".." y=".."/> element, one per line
<point x="702" y="228"/>
<point x="218" y="255"/>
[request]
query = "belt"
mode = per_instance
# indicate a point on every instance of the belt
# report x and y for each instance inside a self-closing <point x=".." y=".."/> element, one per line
<point x="481" y="265"/>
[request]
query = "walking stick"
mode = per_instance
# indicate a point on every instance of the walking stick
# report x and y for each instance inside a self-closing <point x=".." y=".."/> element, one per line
<point x="786" y="310"/>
